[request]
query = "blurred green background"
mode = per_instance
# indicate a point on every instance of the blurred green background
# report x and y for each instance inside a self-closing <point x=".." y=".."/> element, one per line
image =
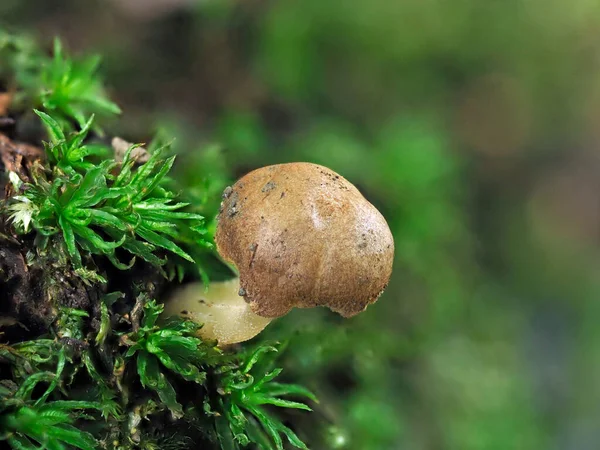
<point x="474" y="126"/>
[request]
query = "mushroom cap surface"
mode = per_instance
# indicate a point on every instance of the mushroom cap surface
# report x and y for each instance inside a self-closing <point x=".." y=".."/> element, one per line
<point x="301" y="236"/>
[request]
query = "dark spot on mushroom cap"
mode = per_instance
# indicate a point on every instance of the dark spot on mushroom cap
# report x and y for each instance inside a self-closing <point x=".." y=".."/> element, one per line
<point x="268" y="187"/>
<point x="326" y="245"/>
<point x="232" y="204"/>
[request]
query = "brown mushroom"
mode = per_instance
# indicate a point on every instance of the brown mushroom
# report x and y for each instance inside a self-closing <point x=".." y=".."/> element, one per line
<point x="301" y="235"/>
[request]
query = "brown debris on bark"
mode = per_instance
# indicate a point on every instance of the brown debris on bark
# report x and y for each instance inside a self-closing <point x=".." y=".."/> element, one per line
<point x="32" y="292"/>
<point x="17" y="157"/>
<point x="21" y="296"/>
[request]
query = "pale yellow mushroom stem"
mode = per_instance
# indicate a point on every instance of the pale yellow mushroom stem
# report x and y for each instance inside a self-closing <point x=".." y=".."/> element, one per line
<point x="224" y="314"/>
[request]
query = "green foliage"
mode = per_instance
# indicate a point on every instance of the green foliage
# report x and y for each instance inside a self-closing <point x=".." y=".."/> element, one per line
<point x="100" y="208"/>
<point x="69" y="89"/>
<point x="172" y="346"/>
<point x="20" y="55"/>
<point x="27" y="423"/>
<point x="107" y="375"/>
<point x="67" y="151"/>
<point x="45" y="355"/>
<point x="245" y="391"/>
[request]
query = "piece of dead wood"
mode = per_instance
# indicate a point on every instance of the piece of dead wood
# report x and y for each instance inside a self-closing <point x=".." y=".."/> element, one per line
<point x="120" y="146"/>
<point x="18" y="157"/>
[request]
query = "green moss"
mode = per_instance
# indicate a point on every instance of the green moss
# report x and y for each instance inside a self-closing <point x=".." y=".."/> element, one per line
<point x="110" y="373"/>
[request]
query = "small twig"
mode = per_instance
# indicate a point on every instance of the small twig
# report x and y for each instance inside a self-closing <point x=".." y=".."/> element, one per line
<point x="136" y="313"/>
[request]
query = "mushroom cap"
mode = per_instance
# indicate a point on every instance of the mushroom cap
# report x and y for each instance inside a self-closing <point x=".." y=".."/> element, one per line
<point x="301" y="236"/>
